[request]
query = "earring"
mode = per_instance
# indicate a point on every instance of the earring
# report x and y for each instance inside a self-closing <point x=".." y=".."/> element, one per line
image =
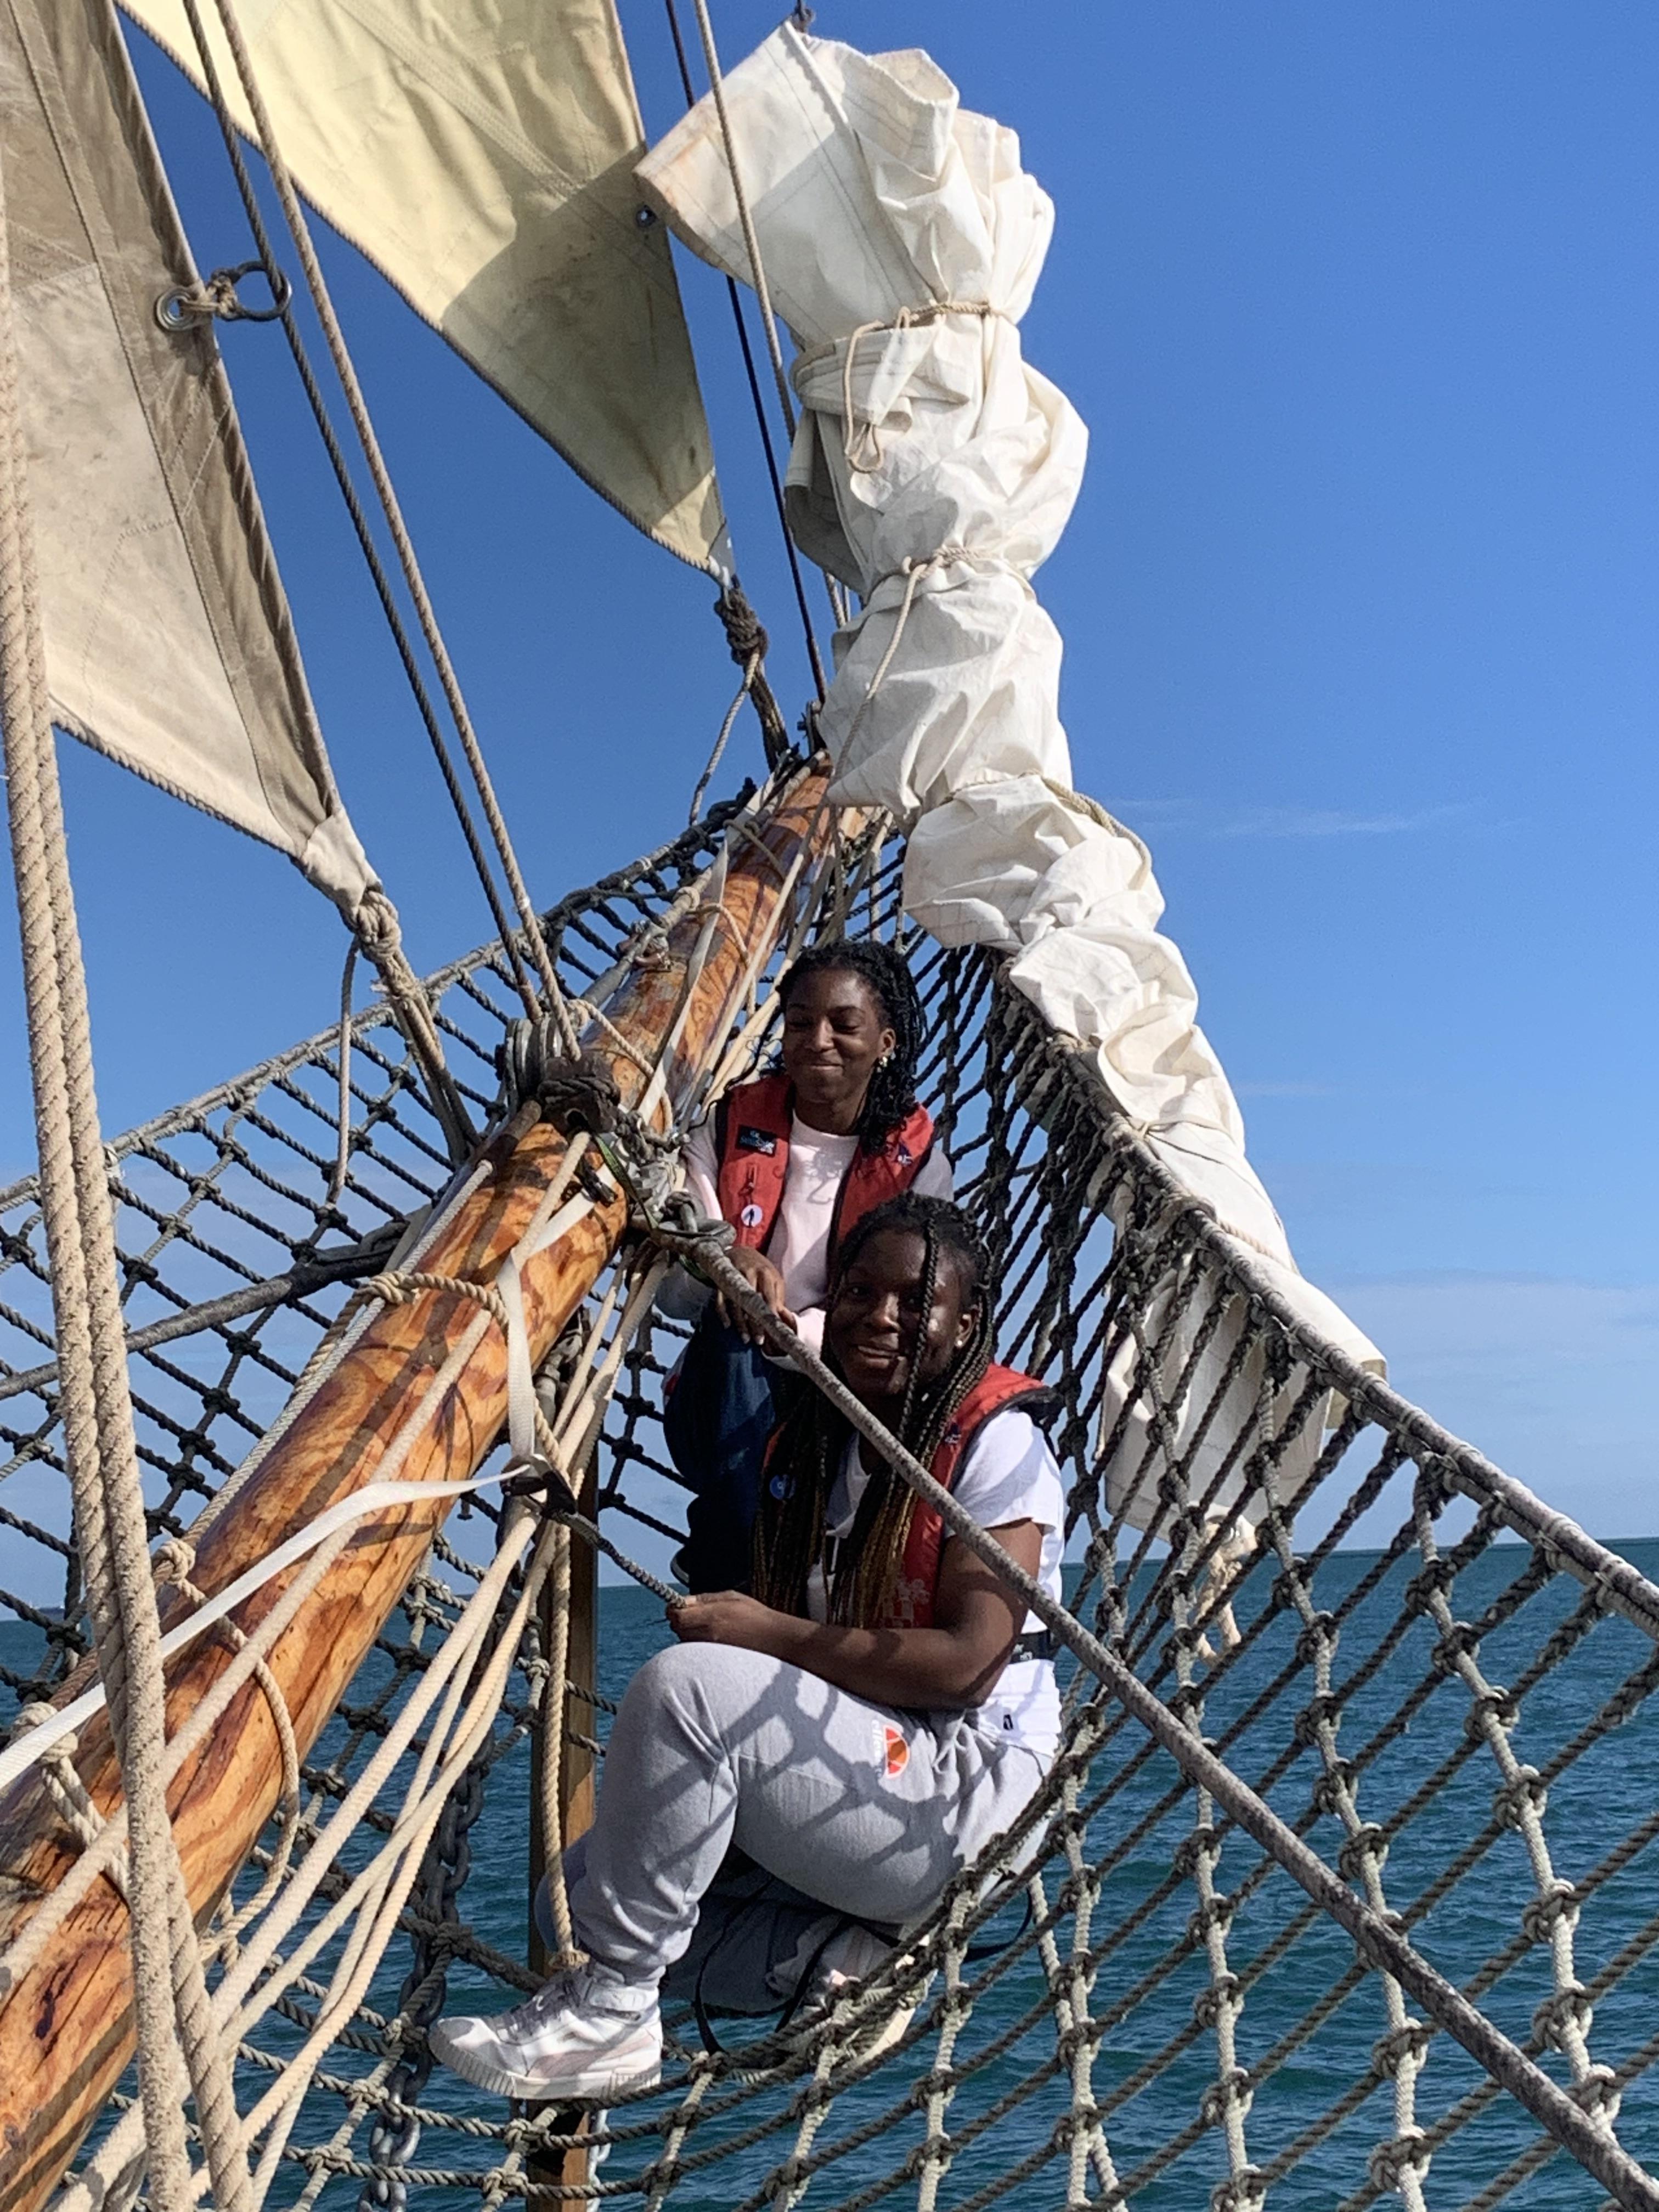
<point x="883" y="1062"/>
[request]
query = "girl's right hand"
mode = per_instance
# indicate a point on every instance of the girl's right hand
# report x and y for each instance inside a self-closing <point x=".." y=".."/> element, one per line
<point x="761" y="1277"/>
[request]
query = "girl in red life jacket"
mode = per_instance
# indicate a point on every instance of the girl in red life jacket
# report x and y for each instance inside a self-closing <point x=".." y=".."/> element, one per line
<point x="791" y="1160"/>
<point x="861" y="1725"/>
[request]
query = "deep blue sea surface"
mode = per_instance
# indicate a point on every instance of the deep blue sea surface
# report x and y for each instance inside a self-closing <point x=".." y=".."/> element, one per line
<point x="1598" y="1800"/>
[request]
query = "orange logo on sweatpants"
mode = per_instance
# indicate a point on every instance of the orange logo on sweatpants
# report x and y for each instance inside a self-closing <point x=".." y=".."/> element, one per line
<point x="898" y="1751"/>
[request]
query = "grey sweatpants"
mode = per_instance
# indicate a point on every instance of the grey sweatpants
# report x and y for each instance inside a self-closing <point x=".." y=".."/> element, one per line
<point x="869" y="1809"/>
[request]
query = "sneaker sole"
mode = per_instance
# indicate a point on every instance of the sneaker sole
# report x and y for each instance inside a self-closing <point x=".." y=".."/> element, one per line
<point x="598" y="2083"/>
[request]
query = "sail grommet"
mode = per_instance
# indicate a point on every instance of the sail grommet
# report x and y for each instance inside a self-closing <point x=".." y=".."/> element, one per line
<point x="216" y="298"/>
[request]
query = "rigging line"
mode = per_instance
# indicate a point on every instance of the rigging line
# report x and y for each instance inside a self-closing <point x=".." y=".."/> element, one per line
<point x="354" y="505"/>
<point x="756" y="398"/>
<point x="357" y="406"/>
<point x="751" y="244"/>
<point x="751" y="247"/>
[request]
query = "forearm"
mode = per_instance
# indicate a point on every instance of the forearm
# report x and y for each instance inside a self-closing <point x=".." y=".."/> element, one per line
<point x="924" y="1669"/>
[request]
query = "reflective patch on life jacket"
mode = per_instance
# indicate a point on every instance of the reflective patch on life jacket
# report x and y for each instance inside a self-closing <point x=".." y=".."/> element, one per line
<point x="756" y="1140"/>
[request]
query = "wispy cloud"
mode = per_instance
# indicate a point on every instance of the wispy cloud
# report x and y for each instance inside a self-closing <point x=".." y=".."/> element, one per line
<point x="1332" y="821"/>
<point x="1156" y="816"/>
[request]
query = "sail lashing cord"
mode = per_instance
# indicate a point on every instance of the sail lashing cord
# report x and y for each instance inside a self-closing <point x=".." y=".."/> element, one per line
<point x="170" y="1992"/>
<point x="1069" y="2063"/>
<point x="357" y="406"/>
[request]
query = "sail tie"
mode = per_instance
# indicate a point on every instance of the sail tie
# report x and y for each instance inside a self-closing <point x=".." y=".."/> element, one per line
<point x="860" y="438"/>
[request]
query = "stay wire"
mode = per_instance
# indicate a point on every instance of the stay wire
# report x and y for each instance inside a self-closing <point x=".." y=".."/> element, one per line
<point x="518" y="972"/>
<point x="756" y="398"/>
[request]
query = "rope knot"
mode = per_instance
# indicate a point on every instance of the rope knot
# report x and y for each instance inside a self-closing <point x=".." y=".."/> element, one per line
<point x="1243" y="2192"/>
<point x="1230" y="2093"/>
<point x="1564" y="2017"/>
<point x="1367" y="1842"/>
<point x="1222" y="1995"/>
<point x="1316" y="1640"/>
<point x="1404" y="2045"/>
<point x="1494" y="1705"/>
<point x="175" y="1562"/>
<point x="1461" y="1641"/>
<point x="744" y="634"/>
<point x="574" y="1095"/>
<point x="1523" y="1798"/>
<point x="1559" y="1902"/>
<point x="1391" y="2162"/>
<point x="1319" y="1713"/>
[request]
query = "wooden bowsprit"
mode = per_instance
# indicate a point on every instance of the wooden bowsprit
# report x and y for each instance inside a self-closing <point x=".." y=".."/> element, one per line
<point x="66" y="2023"/>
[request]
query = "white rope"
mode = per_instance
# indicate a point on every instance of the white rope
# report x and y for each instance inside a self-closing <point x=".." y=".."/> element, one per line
<point x="907" y="319"/>
<point x="170" y="1996"/>
<point x="751" y="667"/>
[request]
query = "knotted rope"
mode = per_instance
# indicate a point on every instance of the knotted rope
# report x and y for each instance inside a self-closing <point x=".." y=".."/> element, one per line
<point x="858" y="438"/>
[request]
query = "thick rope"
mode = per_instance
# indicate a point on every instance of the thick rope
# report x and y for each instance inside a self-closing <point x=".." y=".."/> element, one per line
<point x="168" y="1974"/>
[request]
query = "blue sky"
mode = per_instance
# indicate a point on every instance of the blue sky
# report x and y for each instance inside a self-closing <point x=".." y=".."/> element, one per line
<point x="1359" y="604"/>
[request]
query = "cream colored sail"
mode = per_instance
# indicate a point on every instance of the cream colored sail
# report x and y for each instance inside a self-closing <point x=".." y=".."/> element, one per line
<point x="169" y="644"/>
<point x="481" y="154"/>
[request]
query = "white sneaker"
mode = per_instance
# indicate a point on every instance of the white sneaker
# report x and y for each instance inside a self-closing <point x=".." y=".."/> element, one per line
<point x="581" y="2035"/>
<point x="852" y="1956"/>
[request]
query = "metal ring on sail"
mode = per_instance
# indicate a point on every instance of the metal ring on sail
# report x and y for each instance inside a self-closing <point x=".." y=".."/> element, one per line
<point x="216" y="298"/>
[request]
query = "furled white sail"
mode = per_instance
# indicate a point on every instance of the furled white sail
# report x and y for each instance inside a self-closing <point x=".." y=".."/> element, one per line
<point x="480" y="152"/>
<point x="168" y="640"/>
<point x="934" y="471"/>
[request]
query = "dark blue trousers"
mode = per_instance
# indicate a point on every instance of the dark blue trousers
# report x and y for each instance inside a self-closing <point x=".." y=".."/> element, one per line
<point x="727" y="1400"/>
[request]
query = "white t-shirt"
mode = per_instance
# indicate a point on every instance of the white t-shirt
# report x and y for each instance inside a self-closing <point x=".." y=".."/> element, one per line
<point x="1007" y="1474"/>
<point x="799" y="1247"/>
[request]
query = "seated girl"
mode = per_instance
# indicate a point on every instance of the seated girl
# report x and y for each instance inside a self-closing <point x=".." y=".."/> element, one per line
<point x="791" y="1161"/>
<point x="866" y="1720"/>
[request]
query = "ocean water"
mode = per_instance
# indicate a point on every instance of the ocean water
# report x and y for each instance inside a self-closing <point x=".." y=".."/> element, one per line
<point x="1153" y="2070"/>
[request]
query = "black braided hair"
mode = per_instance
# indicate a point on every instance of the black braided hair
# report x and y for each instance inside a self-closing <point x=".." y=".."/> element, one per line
<point x="892" y="1091"/>
<point x="812" y="1442"/>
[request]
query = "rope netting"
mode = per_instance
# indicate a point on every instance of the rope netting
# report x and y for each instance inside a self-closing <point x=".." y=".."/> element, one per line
<point x="1440" y="1688"/>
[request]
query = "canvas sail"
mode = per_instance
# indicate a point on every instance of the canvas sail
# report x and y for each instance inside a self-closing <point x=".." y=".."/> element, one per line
<point x="481" y="154"/>
<point x="934" y="471"/>
<point x="169" y="644"/>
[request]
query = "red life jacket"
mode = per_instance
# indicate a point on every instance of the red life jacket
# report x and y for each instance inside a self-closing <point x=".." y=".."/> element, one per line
<point x="911" y="1605"/>
<point x="751" y="1143"/>
<point x="916" y="1589"/>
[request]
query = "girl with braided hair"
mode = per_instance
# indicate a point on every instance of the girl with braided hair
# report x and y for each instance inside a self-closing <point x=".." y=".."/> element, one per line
<point x="792" y="1161"/>
<point x="859" y="1726"/>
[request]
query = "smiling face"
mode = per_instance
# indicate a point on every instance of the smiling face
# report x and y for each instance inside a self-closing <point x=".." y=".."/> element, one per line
<point x="834" y="1030"/>
<point x="875" y="1319"/>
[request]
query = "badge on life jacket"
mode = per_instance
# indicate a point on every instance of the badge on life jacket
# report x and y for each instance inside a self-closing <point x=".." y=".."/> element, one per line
<point x="756" y="1140"/>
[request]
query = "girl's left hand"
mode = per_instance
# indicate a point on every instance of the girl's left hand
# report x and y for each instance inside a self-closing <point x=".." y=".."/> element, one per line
<point x="723" y="1616"/>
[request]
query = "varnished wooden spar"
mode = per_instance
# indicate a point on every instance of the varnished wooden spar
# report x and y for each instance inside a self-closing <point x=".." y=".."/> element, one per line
<point x="66" y="2030"/>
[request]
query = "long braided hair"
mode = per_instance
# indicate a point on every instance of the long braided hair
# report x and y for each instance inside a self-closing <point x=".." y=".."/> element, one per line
<point x="810" y="1444"/>
<point x="892" y="1091"/>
